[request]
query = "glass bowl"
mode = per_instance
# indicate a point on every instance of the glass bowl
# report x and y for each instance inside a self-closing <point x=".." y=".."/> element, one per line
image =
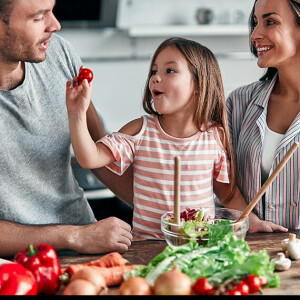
<point x="175" y="236"/>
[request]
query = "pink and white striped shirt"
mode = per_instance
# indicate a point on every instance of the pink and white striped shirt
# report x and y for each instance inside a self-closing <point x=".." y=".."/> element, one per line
<point x="247" y="115"/>
<point x="152" y="153"/>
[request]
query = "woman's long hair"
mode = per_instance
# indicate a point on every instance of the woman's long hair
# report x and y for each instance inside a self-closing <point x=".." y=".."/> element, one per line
<point x="295" y="6"/>
<point x="210" y="108"/>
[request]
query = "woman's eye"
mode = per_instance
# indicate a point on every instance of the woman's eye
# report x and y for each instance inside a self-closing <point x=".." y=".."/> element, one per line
<point x="170" y="70"/>
<point x="270" y="22"/>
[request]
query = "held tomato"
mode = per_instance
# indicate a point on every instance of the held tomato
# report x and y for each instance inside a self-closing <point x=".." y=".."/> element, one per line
<point x="85" y="74"/>
<point x="254" y="283"/>
<point x="202" y="286"/>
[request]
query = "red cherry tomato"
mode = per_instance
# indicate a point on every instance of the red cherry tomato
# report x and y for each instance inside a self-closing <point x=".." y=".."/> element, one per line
<point x="235" y="292"/>
<point x="85" y="74"/>
<point x="243" y="287"/>
<point x="254" y="283"/>
<point x="263" y="280"/>
<point x="202" y="286"/>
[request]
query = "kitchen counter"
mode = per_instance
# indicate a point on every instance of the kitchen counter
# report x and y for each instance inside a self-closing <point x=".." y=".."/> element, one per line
<point x="143" y="252"/>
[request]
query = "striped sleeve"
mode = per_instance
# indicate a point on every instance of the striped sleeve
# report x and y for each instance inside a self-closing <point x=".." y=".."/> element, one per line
<point x="122" y="148"/>
<point x="222" y="168"/>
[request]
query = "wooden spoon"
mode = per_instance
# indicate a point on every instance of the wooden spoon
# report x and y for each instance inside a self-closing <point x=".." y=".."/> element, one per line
<point x="177" y="170"/>
<point x="268" y="182"/>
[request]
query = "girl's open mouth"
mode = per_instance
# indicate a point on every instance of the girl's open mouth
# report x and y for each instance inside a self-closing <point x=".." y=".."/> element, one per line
<point x="156" y="93"/>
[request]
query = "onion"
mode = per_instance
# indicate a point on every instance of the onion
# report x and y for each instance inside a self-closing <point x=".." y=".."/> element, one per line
<point x="135" y="286"/>
<point x="80" y="287"/>
<point x="173" y="282"/>
<point x="92" y="276"/>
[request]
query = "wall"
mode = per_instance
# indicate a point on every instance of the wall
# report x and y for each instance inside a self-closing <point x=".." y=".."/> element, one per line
<point x="120" y="57"/>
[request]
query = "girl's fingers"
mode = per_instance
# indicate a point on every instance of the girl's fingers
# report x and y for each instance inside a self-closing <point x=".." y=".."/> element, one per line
<point x="69" y="85"/>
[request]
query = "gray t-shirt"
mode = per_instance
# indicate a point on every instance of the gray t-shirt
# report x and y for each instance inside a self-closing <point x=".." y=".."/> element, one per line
<point x="37" y="185"/>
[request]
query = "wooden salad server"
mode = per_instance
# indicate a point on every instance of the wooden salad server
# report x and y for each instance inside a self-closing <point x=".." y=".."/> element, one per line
<point x="268" y="182"/>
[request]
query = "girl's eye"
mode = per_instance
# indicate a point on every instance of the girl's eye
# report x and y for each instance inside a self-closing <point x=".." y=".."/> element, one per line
<point x="153" y="72"/>
<point x="170" y="70"/>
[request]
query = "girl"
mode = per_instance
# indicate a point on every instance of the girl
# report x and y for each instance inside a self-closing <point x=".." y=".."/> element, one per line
<point x="185" y="103"/>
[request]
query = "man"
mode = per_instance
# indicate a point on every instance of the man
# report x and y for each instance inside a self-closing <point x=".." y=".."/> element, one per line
<point x="40" y="202"/>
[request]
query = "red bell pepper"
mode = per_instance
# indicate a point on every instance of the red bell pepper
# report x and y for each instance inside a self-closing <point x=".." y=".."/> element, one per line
<point x="17" y="280"/>
<point x="44" y="264"/>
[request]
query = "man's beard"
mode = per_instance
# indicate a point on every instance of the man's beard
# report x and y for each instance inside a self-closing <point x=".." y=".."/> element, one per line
<point x="13" y="49"/>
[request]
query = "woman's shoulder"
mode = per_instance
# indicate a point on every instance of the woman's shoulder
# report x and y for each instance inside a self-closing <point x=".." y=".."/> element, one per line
<point x="253" y="88"/>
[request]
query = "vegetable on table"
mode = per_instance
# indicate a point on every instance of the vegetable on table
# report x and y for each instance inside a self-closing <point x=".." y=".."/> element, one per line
<point x="291" y="238"/>
<point x="112" y="259"/>
<point x="92" y="276"/>
<point x="135" y="286"/>
<point x="226" y="263"/>
<point x="17" y="280"/>
<point x="292" y="247"/>
<point x="80" y="287"/>
<point x="43" y="262"/>
<point x="282" y="263"/>
<point x="172" y="282"/>
<point x="202" y="286"/>
<point x="112" y="276"/>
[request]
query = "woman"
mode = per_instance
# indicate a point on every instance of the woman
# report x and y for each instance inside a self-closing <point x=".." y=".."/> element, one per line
<point x="264" y="116"/>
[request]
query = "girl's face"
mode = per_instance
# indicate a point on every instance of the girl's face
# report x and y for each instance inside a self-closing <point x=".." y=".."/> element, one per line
<point x="171" y="83"/>
<point x="276" y="35"/>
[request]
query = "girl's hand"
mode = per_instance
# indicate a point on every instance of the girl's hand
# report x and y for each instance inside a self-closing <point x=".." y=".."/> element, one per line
<point x="78" y="96"/>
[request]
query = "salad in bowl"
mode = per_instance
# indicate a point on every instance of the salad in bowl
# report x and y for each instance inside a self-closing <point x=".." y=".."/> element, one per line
<point x="201" y="223"/>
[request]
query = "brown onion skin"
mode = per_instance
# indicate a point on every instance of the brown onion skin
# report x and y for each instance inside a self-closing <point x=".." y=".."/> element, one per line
<point x="172" y="282"/>
<point x="92" y="276"/>
<point x="80" y="287"/>
<point x="135" y="286"/>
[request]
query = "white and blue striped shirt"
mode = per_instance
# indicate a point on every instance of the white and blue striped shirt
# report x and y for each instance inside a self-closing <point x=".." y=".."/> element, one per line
<point x="247" y="111"/>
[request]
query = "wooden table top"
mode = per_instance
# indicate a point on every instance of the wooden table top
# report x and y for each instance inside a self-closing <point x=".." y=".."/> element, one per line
<point x="144" y="251"/>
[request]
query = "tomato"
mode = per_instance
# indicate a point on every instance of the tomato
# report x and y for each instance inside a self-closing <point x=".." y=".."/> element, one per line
<point x="243" y="287"/>
<point x="254" y="283"/>
<point x="263" y="280"/>
<point x="85" y="74"/>
<point x="202" y="286"/>
<point x="235" y="292"/>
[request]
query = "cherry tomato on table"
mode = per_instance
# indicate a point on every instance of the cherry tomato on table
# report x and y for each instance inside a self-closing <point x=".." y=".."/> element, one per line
<point x="243" y="287"/>
<point x="235" y="292"/>
<point x="85" y="74"/>
<point x="254" y="283"/>
<point x="202" y="286"/>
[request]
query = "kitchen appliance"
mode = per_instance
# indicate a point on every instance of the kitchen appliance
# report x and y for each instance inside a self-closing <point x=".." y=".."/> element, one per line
<point x="87" y="13"/>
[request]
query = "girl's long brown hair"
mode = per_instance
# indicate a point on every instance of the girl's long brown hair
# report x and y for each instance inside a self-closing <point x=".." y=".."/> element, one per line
<point x="210" y="107"/>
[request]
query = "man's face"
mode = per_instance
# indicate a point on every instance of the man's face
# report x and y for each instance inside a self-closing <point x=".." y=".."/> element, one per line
<point x="30" y="28"/>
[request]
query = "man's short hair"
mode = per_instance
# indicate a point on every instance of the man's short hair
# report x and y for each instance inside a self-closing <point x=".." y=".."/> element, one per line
<point x="6" y="7"/>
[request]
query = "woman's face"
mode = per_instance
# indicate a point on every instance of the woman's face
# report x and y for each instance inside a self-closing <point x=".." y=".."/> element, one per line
<point x="276" y="36"/>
